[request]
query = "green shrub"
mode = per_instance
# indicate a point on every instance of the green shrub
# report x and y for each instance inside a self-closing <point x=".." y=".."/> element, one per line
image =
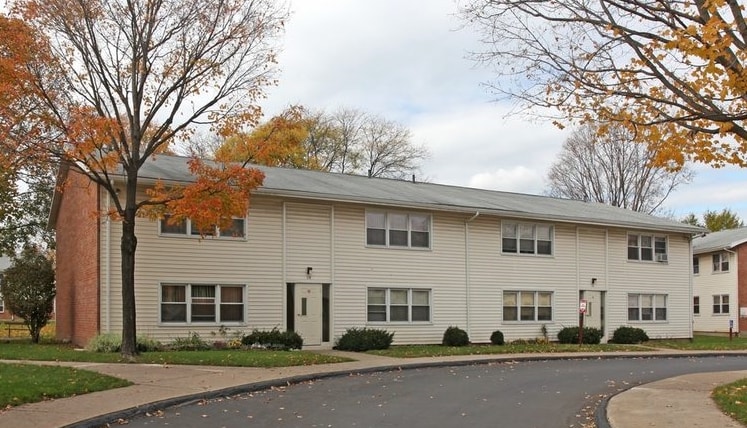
<point x="497" y="338"/>
<point x="364" y="339"/>
<point x="455" y="336"/>
<point x="592" y="336"/>
<point x="629" y="335"/>
<point x="111" y="342"/>
<point x="106" y="342"/>
<point x="193" y="342"/>
<point x="273" y="339"/>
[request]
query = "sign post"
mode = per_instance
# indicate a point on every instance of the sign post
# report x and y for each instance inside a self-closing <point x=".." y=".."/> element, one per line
<point x="582" y="311"/>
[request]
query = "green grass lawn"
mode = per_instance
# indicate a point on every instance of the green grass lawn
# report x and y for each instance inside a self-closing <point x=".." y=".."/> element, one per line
<point x="703" y="343"/>
<point x="732" y="400"/>
<point x="415" y="351"/>
<point x="27" y="383"/>
<point x="15" y="350"/>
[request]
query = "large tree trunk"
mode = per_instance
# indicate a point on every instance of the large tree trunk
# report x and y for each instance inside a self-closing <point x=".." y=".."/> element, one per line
<point x="128" y="246"/>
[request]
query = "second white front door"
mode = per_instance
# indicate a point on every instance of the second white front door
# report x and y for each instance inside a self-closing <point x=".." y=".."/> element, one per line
<point x="308" y="313"/>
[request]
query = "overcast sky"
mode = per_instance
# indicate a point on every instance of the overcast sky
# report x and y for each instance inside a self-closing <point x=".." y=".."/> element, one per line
<point x="406" y="61"/>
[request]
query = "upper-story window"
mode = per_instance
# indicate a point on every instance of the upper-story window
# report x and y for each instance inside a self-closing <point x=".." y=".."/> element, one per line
<point x="696" y="265"/>
<point x="394" y="229"/>
<point x="525" y="238"/>
<point x="647" y="247"/>
<point x="721" y="262"/>
<point x="237" y="229"/>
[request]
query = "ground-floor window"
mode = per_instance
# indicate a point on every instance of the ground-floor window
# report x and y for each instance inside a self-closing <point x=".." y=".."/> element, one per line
<point x="202" y="303"/>
<point x="696" y="305"/>
<point x="399" y="305"/>
<point x="647" y="307"/>
<point x="527" y="306"/>
<point x="721" y="304"/>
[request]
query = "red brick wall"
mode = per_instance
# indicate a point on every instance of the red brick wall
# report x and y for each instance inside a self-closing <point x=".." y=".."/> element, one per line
<point x="742" y="284"/>
<point x="78" y="261"/>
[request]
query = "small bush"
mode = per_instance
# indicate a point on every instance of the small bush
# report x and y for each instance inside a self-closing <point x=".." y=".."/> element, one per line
<point x="273" y="339"/>
<point x="364" y="339"/>
<point x="193" y="342"/>
<point x="497" y="338"/>
<point x="106" y="342"/>
<point x="111" y="342"/>
<point x="629" y="335"/>
<point x="592" y="336"/>
<point x="455" y="336"/>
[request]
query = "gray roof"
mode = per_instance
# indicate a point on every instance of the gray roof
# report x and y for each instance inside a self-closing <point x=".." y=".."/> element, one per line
<point x="717" y="241"/>
<point x="318" y="185"/>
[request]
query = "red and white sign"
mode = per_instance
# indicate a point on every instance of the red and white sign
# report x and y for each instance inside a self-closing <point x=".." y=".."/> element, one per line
<point x="582" y="306"/>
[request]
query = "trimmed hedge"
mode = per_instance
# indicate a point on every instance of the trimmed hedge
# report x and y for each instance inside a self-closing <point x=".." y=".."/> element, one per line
<point x="455" y="336"/>
<point x="592" y="336"/>
<point x="497" y="338"/>
<point x="273" y="339"/>
<point x="364" y="339"/>
<point x="629" y="335"/>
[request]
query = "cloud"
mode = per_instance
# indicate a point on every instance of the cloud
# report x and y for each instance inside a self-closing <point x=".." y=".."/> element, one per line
<point x="518" y="179"/>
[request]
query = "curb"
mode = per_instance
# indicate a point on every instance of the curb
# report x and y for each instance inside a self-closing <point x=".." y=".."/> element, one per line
<point x="600" y="413"/>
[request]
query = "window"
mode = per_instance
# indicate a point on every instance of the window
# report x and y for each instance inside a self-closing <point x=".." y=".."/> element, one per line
<point x="527" y="306"/>
<point x="696" y="265"/>
<point x="399" y="305"/>
<point x="721" y="262"/>
<point x="237" y="229"/>
<point x="696" y="305"/>
<point x="526" y="238"/>
<point x="721" y="304"/>
<point x="647" y="307"/>
<point x="398" y="230"/>
<point x="202" y="303"/>
<point x="647" y="247"/>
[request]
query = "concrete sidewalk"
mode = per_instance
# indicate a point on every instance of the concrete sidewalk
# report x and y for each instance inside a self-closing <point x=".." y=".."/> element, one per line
<point x="665" y="403"/>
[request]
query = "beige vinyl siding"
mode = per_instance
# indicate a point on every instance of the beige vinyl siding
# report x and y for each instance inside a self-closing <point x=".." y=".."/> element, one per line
<point x="671" y="278"/>
<point x="493" y="272"/>
<point x="439" y="269"/>
<point x="255" y="262"/>
<point x="709" y="283"/>
<point x="331" y="238"/>
<point x="592" y="261"/>
<point x="308" y="242"/>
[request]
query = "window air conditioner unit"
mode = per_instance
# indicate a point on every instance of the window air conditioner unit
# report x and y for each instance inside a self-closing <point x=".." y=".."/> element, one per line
<point x="661" y="258"/>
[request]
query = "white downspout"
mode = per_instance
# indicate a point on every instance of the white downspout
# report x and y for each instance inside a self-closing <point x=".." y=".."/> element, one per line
<point x="107" y="263"/>
<point x="283" y="266"/>
<point x="467" y="270"/>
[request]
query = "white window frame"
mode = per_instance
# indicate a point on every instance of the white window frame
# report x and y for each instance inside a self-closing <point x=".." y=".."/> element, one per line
<point x="521" y="304"/>
<point x="390" y="303"/>
<point x="657" y="245"/>
<point x="696" y="265"/>
<point x="655" y="307"/>
<point x="721" y="262"/>
<point x="721" y="302"/>
<point x="188" y="303"/>
<point x="518" y="237"/>
<point x="190" y="233"/>
<point x="390" y="228"/>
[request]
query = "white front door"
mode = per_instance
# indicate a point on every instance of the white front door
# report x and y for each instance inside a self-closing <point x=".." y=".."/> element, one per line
<point x="594" y="316"/>
<point x="308" y="313"/>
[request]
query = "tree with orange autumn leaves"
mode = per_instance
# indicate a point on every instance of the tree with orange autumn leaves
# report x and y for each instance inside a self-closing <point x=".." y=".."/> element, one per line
<point x="671" y="71"/>
<point x="134" y="78"/>
<point x="26" y="173"/>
